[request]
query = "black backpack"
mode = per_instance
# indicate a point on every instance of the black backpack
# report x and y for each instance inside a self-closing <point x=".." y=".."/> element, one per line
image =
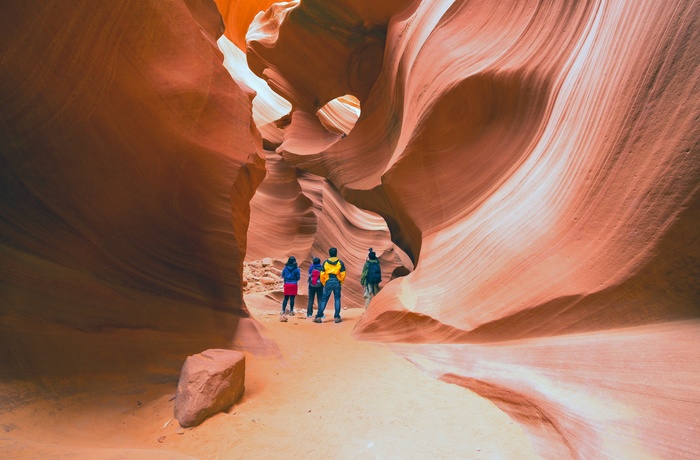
<point x="374" y="273"/>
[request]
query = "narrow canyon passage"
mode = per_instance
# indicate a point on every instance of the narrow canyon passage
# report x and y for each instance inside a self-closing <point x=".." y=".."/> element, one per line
<point x="528" y="173"/>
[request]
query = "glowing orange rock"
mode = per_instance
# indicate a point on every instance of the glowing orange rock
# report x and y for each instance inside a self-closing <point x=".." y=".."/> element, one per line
<point x="128" y="160"/>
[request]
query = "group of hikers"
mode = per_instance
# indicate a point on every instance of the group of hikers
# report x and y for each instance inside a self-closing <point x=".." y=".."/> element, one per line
<point x="326" y="279"/>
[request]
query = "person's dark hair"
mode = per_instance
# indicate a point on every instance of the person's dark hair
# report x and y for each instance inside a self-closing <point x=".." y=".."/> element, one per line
<point x="333" y="252"/>
<point x="317" y="260"/>
<point x="372" y="255"/>
<point x="292" y="261"/>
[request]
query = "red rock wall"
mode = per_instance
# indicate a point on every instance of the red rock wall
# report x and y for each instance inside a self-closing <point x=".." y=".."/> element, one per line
<point x="539" y="162"/>
<point x="128" y="158"/>
<point x="300" y="214"/>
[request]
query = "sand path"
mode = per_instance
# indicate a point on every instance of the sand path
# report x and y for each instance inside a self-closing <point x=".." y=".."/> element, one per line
<point x="326" y="396"/>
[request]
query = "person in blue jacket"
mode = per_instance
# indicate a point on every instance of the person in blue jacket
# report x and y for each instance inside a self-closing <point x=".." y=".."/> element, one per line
<point x="291" y="275"/>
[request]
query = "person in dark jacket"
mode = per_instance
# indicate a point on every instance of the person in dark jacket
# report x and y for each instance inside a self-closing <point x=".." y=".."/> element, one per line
<point x="291" y="275"/>
<point x="371" y="277"/>
<point x="315" y="286"/>
<point x="332" y="277"/>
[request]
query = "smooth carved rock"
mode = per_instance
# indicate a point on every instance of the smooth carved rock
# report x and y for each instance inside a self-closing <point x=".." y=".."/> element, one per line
<point x="547" y="152"/>
<point x="308" y="206"/>
<point x="540" y="166"/>
<point x="210" y="382"/>
<point x="127" y="167"/>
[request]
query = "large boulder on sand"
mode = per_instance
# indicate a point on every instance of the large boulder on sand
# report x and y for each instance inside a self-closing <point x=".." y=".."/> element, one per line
<point x="210" y="382"/>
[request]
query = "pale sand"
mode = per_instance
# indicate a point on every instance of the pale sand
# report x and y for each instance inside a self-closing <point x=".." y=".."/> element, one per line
<point x="327" y="396"/>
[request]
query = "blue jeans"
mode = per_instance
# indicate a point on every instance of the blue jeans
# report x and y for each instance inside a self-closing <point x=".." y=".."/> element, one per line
<point x="314" y="291"/>
<point x="332" y="285"/>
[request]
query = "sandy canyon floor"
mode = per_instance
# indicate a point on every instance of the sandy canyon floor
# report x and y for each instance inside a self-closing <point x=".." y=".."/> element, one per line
<point x="325" y="395"/>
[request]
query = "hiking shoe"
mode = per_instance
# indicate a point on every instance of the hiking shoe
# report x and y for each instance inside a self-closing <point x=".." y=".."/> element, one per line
<point x="291" y="313"/>
<point x="318" y="320"/>
<point x="337" y="320"/>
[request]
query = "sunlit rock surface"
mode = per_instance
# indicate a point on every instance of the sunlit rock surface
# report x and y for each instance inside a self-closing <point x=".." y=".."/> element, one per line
<point x="340" y="114"/>
<point x="268" y="106"/>
<point x="298" y="213"/>
<point x="237" y="15"/>
<point x="539" y="163"/>
<point x="128" y="158"/>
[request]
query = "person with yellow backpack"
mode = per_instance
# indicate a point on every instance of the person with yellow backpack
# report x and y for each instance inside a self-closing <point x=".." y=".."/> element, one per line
<point x="332" y="277"/>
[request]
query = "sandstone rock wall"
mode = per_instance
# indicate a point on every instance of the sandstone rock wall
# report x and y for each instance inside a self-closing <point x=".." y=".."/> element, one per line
<point x="539" y="162"/>
<point x="128" y="158"/>
<point x="298" y="213"/>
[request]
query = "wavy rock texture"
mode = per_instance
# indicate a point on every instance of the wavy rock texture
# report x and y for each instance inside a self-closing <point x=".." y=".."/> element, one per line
<point x="297" y="213"/>
<point x="268" y="106"/>
<point x="128" y="158"/>
<point x="237" y="15"/>
<point x="300" y="214"/>
<point x="539" y="163"/>
<point x="340" y="114"/>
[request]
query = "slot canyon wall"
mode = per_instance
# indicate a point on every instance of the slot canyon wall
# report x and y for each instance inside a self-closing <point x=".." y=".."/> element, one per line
<point x="128" y="159"/>
<point x="539" y="163"/>
<point x="298" y="213"/>
<point x="301" y="214"/>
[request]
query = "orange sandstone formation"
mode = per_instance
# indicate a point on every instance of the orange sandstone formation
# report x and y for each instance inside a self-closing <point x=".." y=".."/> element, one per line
<point x="295" y="213"/>
<point x="128" y="159"/>
<point x="238" y="14"/>
<point x="539" y="162"/>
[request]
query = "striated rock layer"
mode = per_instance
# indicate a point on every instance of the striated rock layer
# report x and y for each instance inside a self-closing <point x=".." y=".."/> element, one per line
<point x="300" y="214"/>
<point x="539" y="163"/>
<point x="128" y="158"/>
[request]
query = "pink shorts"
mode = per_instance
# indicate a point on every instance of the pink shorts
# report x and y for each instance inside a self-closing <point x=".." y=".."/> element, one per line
<point x="290" y="289"/>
